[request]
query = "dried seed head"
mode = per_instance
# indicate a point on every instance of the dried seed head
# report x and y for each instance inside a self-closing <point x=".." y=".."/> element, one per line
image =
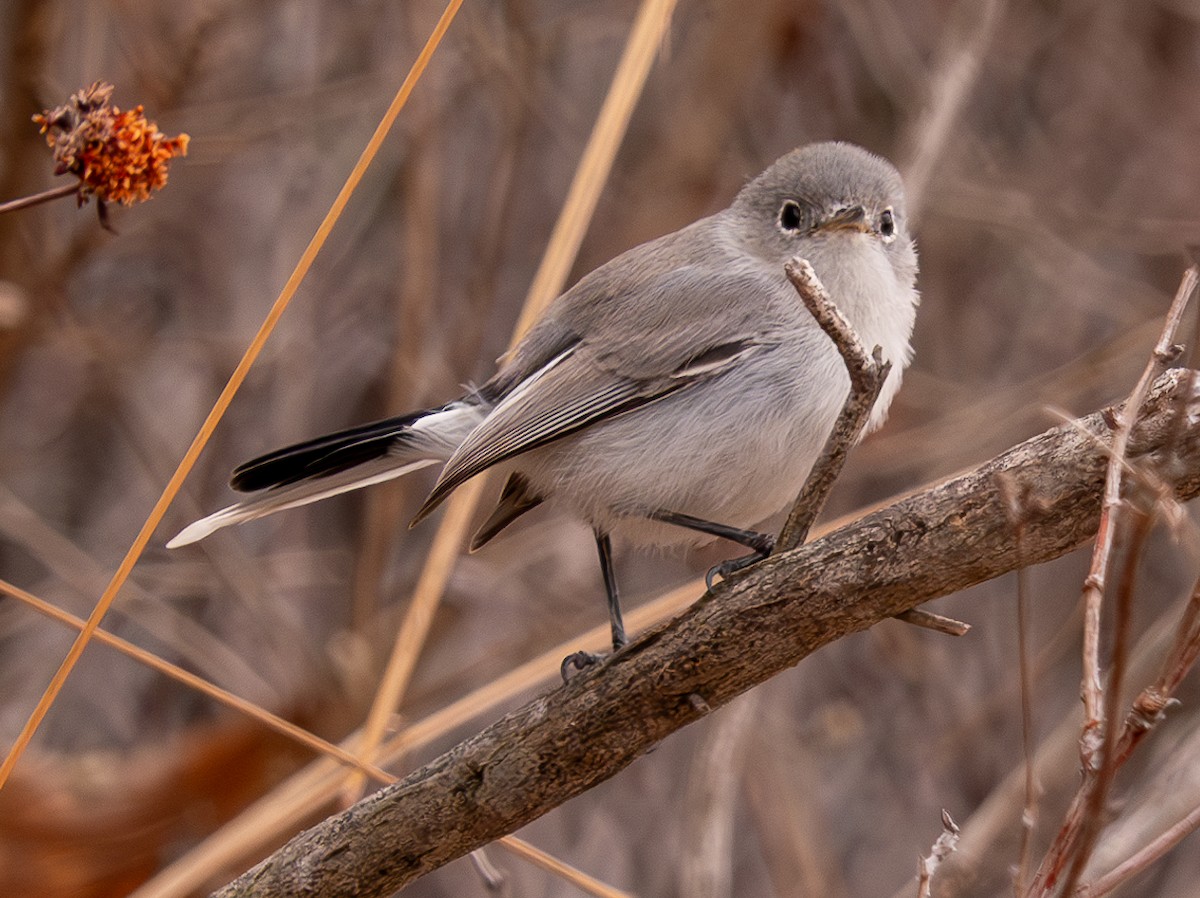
<point x="118" y="156"/>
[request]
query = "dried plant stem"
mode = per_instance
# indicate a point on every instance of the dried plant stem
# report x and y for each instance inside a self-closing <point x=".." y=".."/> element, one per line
<point x="1096" y="739"/>
<point x="1145" y="857"/>
<point x="1148" y="710"/>
<point x="1151" y="704"/>
<point x="1164" y="353"/>
<point x="36" y="199"/>
<point x="1021" y="507"/>
<point x="551" y="864"/>
<point x="1093" y="796"/>
<point x="223" y="400"/>
<point x="1029" y="810"/>
<point x="427" y="595"/>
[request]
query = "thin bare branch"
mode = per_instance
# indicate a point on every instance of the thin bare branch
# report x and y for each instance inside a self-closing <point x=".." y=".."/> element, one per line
<point x="939" y="623"/>
<point x="1021" y="508"/>
<point x="943" y="847"/>
<point x="867" y="374"/>
<point x="1148" y="855"/>
<point x="35" y="199"/>
<point x="1164" y="352"/>
<point x="1075" y="837"/>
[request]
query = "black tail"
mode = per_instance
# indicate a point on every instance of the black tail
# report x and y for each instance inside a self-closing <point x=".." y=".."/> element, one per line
<point x="324" y="455"/>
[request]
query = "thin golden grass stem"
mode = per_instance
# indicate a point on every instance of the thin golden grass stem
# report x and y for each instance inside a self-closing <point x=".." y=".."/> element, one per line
<point x="553" y="865"/>
<point x="218" y="410"/>
<point x="284" y="727"/>
<point x="611" y="123"/>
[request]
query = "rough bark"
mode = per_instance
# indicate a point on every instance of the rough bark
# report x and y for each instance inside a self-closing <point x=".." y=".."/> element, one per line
<point x="935" y="542"/>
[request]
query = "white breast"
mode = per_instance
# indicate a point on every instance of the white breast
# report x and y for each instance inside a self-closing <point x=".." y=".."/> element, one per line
<point x="738" y="448"/>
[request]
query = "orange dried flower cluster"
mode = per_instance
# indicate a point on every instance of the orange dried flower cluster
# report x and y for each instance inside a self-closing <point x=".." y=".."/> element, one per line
<point x="117" y="156"/>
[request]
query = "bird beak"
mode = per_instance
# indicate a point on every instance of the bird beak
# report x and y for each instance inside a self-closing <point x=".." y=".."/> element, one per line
<point x="852" y="218"/>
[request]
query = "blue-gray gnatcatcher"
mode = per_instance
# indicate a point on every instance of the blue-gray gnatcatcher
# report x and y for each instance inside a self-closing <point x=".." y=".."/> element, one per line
<point x="679" y="391"/>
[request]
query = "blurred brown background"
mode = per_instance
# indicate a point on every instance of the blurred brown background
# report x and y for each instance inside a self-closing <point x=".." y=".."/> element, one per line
<point x="1052" y="152"/>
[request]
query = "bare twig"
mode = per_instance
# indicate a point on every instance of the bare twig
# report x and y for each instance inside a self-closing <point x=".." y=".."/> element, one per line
<point x="939" y="623"/>
<point x="943" y="847"/>
<point x="1095" y="790"/>
<point x="1148" y="710"/>
<point x="1151" y="704"/>
<point x="1164" y="352"/>
<point x="1145" y="857"/>
<point x="867" y="374"/>
<point x="491" y="876"/>
<point x="1095" y="740"/>
<point x="930" y="544"/>
<point x="35" y="199"/>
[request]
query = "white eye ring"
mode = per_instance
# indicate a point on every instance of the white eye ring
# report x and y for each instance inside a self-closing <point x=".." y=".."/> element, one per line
<point x="791" y="217"/>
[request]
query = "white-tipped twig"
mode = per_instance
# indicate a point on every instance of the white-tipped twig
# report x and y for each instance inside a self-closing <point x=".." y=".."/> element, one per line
<point x="867" y="375"/>
<point x="943" y="847"/>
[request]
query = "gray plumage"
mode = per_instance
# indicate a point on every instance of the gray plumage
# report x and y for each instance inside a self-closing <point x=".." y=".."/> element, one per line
<point x="685" y="375"/>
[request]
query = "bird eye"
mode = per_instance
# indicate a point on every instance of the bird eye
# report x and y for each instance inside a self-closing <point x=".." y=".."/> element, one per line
<point x="790" y="216"/>
<point x="887" y="224"/>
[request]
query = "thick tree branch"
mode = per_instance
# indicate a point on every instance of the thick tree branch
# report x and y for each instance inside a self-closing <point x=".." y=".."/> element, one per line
<point x="930" y="544"/>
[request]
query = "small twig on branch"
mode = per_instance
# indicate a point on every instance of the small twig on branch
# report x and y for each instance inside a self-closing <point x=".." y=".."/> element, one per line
<point x="934" y="542"/>
<point x="1151" y="705"/>
<point x="943" y="847"/>
<point x="867" y="374"/>
<point x="491" y="877"/>
<point x="939" y="623"/>
<point x="1096" y="789"/>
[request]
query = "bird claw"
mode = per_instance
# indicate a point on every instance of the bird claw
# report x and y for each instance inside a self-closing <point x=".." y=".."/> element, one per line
<point x="577" y="663"/>
<point x="732" y="566"/>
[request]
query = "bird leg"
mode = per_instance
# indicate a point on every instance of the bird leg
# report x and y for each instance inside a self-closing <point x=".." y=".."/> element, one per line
<point x="581" y="660"/>
<point x="762" y="543"/>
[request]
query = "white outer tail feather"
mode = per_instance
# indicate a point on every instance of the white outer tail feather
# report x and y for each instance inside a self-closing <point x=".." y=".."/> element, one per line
<point x="295" y="495"/>
<point x="436" y="434"/>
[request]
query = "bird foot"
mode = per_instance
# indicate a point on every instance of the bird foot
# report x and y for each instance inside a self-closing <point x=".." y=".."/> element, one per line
<point x="726" y="568"/>
<point x="577" y="662"/>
